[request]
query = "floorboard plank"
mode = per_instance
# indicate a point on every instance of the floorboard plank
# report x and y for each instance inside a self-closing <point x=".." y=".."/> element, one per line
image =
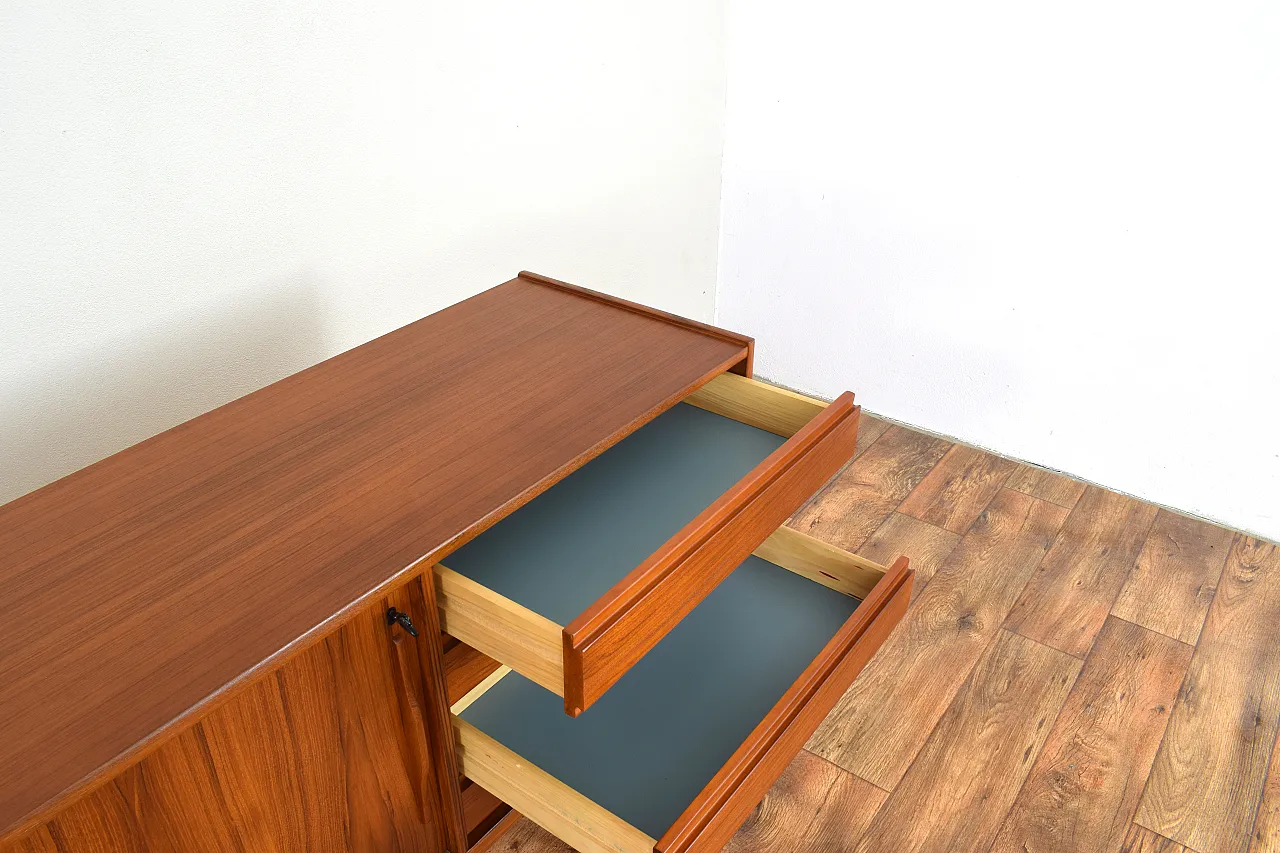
<point x="957" y="792"/>
<point x="1143" y="840"/>
<point x="1069" y="598"/>
<point x="493" y="839"/>
<point x="1266" y="828"/>
<point x="1172" y="585"/>
<point x="958" y="488"/>
<point x="1207" y="781"/>
<point x="1046" y="485"/>
<point x="860" y="498"/>
<point x="926" y="545"/>
<point x="789" y="807"/>
<point x="845" y="816"/>
<point x="870" y="428"/>
<point x="885" y="717"/>
<point x="1083" y="790"/>
<point x="527" y="837"/>
<point x="813" y="804"/>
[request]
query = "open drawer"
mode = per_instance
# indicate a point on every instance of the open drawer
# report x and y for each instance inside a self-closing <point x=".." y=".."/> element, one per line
<point x="572" y="589"/>
<point x="685" y="745"/>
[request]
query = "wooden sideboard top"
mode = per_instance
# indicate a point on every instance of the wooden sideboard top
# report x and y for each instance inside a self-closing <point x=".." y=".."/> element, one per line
<point x="135" y="591"/>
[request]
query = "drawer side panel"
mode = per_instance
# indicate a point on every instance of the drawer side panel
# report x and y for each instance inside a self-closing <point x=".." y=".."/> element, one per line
<point x="544" y="799"/>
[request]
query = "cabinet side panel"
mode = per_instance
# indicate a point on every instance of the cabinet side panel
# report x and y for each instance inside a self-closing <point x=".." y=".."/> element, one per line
<point x="310" y="757"/>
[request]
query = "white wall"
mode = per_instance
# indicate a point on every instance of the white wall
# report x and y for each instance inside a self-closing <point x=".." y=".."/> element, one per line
<point x="1048" y="229"/>
<point x="197" y="199"/>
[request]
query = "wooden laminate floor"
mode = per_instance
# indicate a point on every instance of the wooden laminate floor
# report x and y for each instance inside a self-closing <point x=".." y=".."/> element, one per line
<point x="1078" y="671"/>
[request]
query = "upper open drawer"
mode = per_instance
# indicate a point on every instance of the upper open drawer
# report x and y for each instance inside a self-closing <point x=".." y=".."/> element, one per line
<point x="574" y="588"/>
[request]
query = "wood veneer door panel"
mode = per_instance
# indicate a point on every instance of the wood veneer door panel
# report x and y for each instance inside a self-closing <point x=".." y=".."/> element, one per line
<point x="314" y="756"/>
<point x="607" y="639"/>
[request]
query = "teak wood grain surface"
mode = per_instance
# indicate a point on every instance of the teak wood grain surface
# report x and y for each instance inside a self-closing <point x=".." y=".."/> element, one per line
<point x="313" y="756"/>
<point x="150" y="585"/>
<point x="963" y="734"/>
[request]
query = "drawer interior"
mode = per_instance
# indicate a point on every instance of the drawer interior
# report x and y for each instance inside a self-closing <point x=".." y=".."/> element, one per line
<point x="620" y="775"/>
<point x="571" y="544"/>
<point x="511" y="591"/>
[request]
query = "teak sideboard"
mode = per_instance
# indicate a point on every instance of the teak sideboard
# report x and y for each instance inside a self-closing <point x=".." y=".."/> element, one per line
<point x="526" y="553"/>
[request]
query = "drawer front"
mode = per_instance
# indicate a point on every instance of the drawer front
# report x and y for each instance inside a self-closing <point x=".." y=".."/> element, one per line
<point x="603" y="643"/>
<point x="735" y="789"/>
<point x="725" y="803"/>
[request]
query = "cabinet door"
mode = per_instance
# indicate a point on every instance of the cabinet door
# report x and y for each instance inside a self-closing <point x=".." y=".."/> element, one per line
<point x="334" y="751"/>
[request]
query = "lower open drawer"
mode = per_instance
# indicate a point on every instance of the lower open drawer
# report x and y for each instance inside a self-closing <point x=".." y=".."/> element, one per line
<point x="679" y="752"/>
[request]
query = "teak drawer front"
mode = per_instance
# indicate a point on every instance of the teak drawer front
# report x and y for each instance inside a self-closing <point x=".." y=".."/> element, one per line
<point x="574" y="588"/>
<point x="685" y="746"/>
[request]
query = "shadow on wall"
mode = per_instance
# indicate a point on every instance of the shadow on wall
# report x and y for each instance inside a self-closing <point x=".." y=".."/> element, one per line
<point x="78" y="413"/>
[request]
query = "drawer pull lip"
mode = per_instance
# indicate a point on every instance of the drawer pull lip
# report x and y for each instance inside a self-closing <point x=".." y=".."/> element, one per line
<point x="395" y="617"/>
